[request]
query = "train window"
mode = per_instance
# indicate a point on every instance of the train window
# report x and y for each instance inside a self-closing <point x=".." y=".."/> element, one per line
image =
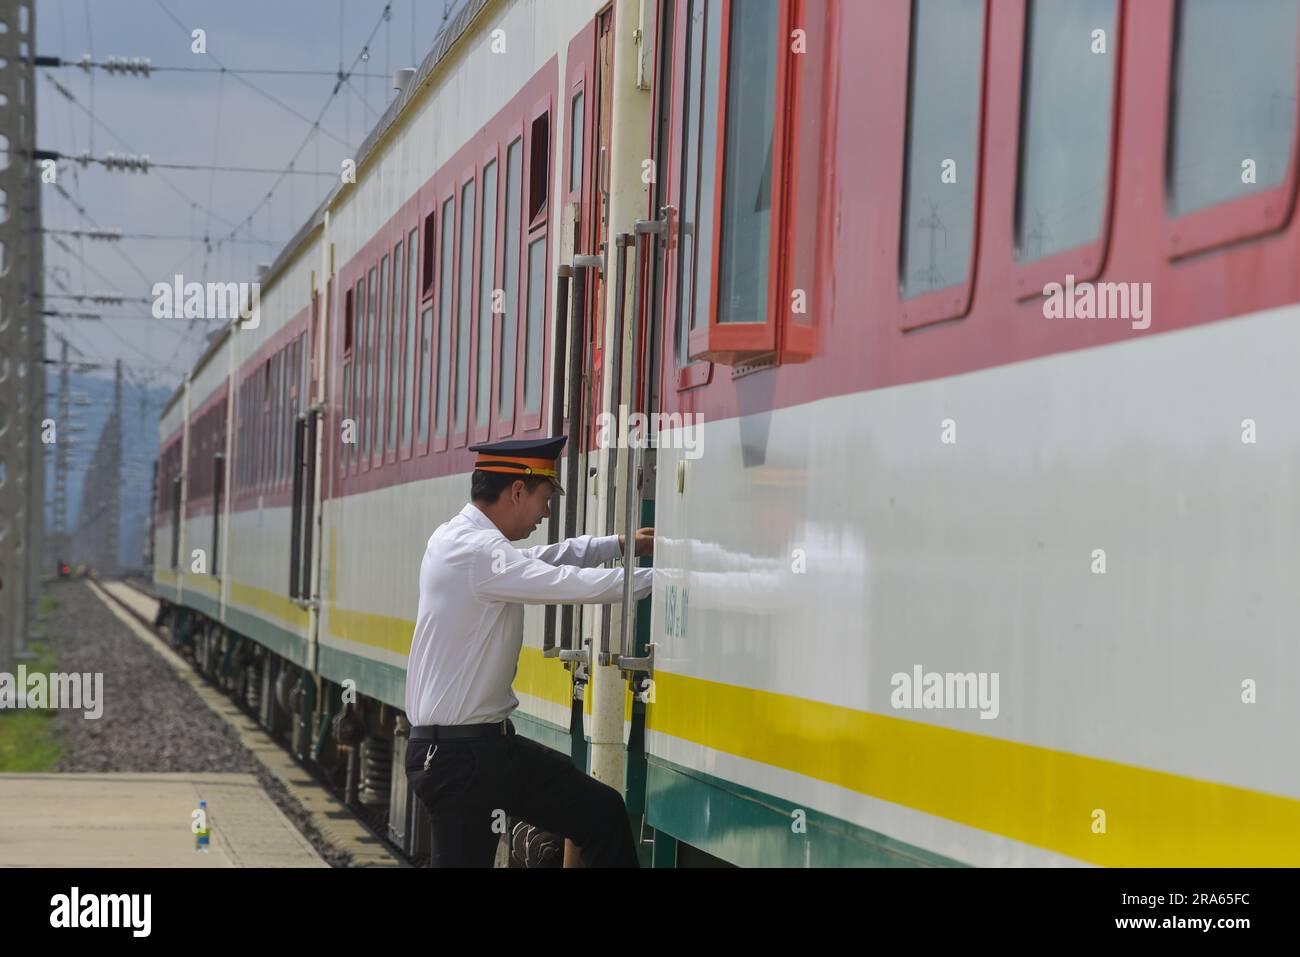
<point x="538" y="167"/>
<point x="427" y="287"/>
<point x="281" y="425"/>
<point x="510" y="280"/>
<point x="304" y="361"/>
<point x="464" y="299"/>
<point x="702" y="55"/>
<point x="941" y="158"/>
<point x="394" y="346"/>
<point x="1066" y="99"/>
<point x="576" y="116"/>
<point x="350" y="452"/>
<point x="421" y="403"/>
<point x="1232" y="100"/>
<point x="408" y="339"/>
<point x="486" y="283"/>
<point x="277" y="366"/>
<point x="368" y="361"/>
<point x="347" y="323"/>
<point x="533" y="330"/>
<point x="689" y="180"/>
<point x="288" y="373"/>
<point x="444" y="318"/>
<point x="746" y="224"/>
<point x="382" y="320"/>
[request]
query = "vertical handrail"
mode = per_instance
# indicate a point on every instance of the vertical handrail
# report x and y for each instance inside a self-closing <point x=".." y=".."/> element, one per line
<point x="563" y="275"/>
<point x="614" y="351"/>
<point x="644" y="229"/>
<point x="577" y="431"/>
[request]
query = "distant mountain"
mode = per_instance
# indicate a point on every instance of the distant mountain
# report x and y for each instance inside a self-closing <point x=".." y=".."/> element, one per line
<point x="141" y="409"/>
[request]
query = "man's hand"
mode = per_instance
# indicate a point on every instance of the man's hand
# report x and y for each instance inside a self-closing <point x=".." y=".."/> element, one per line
<point x="645" y="541"/>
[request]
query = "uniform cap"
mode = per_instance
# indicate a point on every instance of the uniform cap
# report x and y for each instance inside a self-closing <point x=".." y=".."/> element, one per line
<point x="522" y="457"/>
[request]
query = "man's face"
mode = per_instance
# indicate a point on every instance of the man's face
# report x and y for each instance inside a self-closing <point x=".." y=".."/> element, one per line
<point x="530" y="508"/>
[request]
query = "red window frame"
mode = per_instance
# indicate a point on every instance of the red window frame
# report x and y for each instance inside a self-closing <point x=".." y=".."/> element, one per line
<point x="449" y="191"/>
<point x="480" y="433"/>
<point x="468" y="175"/>
<point x="430" y="237"/>
<point x="1083" y="262"/>
<point x="537" y="228"/>
<point x="696" y="372"/>
<point x="347" y="363"/>
<point x="505" y="426"/>
<point x="953" y="301"/>
<point x="379" y="363"/>
<point x="730" y="342"/>
<point x="1236" y="219"/>
<point x="406" y="410"/>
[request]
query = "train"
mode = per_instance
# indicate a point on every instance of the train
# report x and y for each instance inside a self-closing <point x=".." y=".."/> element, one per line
<point x="958" y="332"/>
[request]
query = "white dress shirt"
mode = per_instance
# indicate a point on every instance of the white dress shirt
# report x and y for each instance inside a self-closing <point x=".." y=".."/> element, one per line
<point x="470" y="625"/>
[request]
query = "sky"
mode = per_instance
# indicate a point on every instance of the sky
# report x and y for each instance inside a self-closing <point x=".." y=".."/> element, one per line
<point x="207" y="119"/>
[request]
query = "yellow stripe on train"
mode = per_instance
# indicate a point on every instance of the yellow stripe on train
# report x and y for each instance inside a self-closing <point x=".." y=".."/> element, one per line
<point x="1031" y="794"/>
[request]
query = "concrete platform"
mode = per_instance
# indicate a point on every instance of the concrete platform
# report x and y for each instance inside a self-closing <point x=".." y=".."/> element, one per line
<point x="143" y="820"/>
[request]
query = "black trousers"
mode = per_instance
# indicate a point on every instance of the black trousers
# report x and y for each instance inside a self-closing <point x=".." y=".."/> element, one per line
<point x="470" y="783"/>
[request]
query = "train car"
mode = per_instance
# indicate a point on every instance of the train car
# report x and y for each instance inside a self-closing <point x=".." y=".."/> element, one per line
<point x="959" y="329"/>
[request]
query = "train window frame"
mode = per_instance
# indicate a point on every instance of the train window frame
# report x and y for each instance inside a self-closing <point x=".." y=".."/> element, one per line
<point x="367" y="363"/>
<point x="412" y="295"/>
<point x="732" y="343"/>
<point x="539" y="164"/>
<point x="538" y="228"/>
<point x="264" y="427"/>
<point x="429" y="265"/>
<point x="507" y="405"/>
<point x="384" y="308"/>
<point x="480" y="431"/>
<point x="441" y="389"/>
<point x="347" y="454"/>
<point x="1231" y="221"/>
<point x="468" y="182"/>
<point x="396" y="346"/>
<point x="421" y="443"/>
<point x="572" y="189"/>
<point x="1086" y="260"/>
<point x="672" y="93"/>
<point x="950" y="302"/>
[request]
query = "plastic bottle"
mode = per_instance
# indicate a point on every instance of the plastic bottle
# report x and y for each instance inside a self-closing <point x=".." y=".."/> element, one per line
<point x="202" y="834"/>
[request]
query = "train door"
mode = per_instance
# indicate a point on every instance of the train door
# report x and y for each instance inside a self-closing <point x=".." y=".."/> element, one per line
<point x="303" y="515"/>
<point x="584" y="217"/>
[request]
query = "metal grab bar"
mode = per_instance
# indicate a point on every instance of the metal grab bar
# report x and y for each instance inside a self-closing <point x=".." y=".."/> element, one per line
<point x="614" y="356"/>
<point x="632" y="495"/>
<point x="562" y="277"/>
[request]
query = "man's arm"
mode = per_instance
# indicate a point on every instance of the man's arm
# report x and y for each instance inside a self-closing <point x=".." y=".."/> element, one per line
<point x="502" y="573"/>
<point x="585" y="551"/>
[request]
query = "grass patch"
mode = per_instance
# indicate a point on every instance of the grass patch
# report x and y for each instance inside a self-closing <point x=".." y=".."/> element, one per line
<point x="28" y="743"/>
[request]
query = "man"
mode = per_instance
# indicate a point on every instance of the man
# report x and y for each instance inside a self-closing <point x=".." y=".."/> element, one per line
<point x="465" y="761"/>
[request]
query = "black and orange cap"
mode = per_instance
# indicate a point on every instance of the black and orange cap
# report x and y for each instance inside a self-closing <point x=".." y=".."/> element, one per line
<point x="522" y="457"/>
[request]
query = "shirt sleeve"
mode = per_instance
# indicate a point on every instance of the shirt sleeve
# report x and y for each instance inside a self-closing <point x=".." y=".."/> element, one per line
<point x="585" y="551"/>
<point x="506" y="574"/>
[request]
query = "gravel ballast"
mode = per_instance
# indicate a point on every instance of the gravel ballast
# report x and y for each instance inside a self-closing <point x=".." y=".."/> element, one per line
<point x="152" y="720"/>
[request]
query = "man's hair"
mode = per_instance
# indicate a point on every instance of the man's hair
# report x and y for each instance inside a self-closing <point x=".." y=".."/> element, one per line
<point x="486" y="487"/>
